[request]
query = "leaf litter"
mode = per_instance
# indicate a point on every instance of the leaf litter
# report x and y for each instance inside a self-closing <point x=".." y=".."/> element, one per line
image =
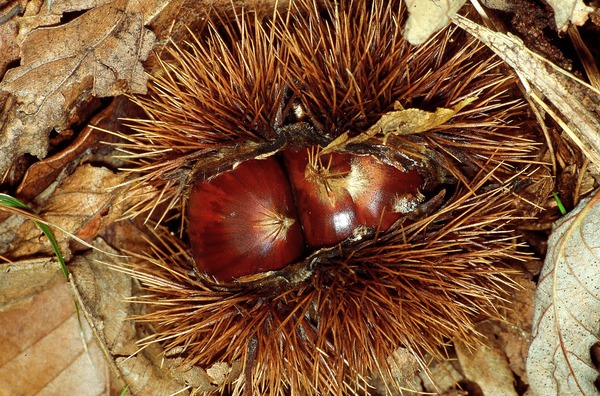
<point x="65" y="65"/>
<point x="77" y="87"/>
<point x="567" y="307"/>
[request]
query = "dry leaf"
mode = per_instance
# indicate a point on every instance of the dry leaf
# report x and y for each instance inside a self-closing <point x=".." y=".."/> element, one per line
<point x="504" y="345"/>
<point x="565" y="11"/>
<point x="400" y="121"/>
<point x="515" y="334"/>
<point x="408" y="121"/>
<point x="220" y="373"/>
<point x="80" y="205"/>
<point x="502" y="5"/>
<point x="577" y="102"/>
<point x="405" y="367"/>
<point x="8" y="44"/>
<point x="98" y="53"/>
<point x="40" y="338"/>
<point x="442" y="375"/>
<point x="567" y="307"/>
<point x="488" y="367"/>
<point x="105" y="294"/>
<point x="62" y="6"/>
<point x="89" y="142"/>
<point x="425" y="17"/>
<point x="34" y="17"/>
<point x="17" y="282"/>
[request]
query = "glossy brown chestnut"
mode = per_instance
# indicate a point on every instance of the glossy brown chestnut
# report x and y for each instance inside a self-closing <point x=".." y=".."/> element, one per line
<point x="244" y="222"/>
<point x="247" y="221"/>
<point x="335" y="193"/>
<point x="391" y="193"/>
<point x="325" y="207"/>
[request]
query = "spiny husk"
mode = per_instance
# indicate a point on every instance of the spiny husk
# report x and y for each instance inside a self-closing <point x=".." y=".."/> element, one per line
<point x="374" y="68"/>
<point x="417" y="286"/>
<point x="221" y="89"/>
<point x="324" y="325"/>
<point x="228" y="93"/>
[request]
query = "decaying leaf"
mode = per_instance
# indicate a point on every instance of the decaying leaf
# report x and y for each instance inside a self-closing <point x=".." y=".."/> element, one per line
<point x="577" y="102"/>
<point x="500" y="357"/>
<point x="573" y="11"/>
<point x="104" y="290"/>
<point x="405" y="367"/>
<point x="488" y="367"/>
<point x="514" y="335"/>
<point x="63" y="66"/>
<point x="62" y="6"/>
<point x="8" y="44"/>
<point x="442" y="375"/>
<point x="403" y="121"/>
<point x="400" y="121"/>
<point x="103" y="295"/>
<point x="427" y="17"/>
<point x="89" y="144"/>
<point x="79" y="205"/>
<point x="220" y="372"/>
<point x="567" y="307"/>
<point x="43" y="351"/>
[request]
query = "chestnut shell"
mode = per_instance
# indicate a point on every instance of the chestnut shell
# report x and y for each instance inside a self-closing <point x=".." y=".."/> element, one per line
<point x="324" y="324"/>
<point x="244" y="221"/>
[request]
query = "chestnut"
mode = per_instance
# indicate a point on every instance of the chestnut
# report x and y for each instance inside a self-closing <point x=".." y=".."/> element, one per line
<point x="244" y="222"/>
<point x="325" y="207"/>
<point x="253" y="219"/>
<point x="391" y="193"/>
<point x="335" y="193"/>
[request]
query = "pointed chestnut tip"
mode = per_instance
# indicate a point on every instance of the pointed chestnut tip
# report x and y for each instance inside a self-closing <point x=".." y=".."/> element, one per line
<point x="391" y="193"/>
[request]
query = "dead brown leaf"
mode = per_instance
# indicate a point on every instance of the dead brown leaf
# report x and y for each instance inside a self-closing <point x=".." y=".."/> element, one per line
<point x="97" y="54"/>
<point x="488" y="367"/>
<point x="104" y="293"/>
<point x="90" y="140"/>
<point x="565" y="322"/>
<point x="80" y="205"/>
<point x="8" y="44"/>
<point x="62" y="6"/>
<point x="33" y="18"/>
<point x="576" y="101"/>
<point x="41" y="342"/>
<point x="516" y="332"/>
<point x="427" y="17"/>
<point x="400" y="121"/>
<point x="41" y="174"/>
<point x="569" y="11"/>
<point x="442" y="376"/>
<point x="506" y="344"/>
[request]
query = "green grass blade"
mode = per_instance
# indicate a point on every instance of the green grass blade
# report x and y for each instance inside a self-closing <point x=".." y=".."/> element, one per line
<point x="11" y="202"/>
<point x="560" y="205"/>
